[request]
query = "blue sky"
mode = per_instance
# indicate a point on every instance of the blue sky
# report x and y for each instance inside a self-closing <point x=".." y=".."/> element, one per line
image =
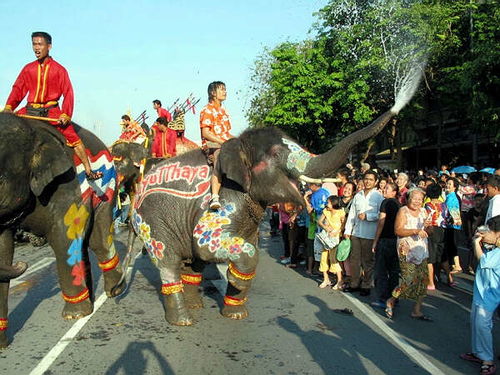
<point x="123" y="54"/>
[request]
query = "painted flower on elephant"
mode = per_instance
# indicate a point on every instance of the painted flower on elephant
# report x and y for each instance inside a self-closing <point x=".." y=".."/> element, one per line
<point x="199" y="229"/>
<point x="298" y="157"/>
<point x="205" y="237"/>
<point x="75" y="252"/>
<point x="214" y="245"/>
<point x="210" y="232"/>
<point x="249" y="249"/>
<point x="75" y="219"/>
<point x="154" y="247"/>
<point x="145" y="232"/>
<point x="158" y="248"/>
<point x="234" y="249"/>
<point x="217" y="233"/>
<point x="78" y="273"/>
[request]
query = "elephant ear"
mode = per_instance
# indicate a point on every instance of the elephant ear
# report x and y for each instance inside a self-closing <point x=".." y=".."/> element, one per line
<point x="234" y="164"/>
<point x="49" y="160"/>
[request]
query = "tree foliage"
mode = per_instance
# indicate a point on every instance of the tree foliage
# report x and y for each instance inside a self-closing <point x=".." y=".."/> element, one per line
<point x="319" y="89"/>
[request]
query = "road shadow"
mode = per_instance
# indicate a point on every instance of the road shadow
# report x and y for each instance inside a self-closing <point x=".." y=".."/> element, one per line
<point x="38" y="288"/>
<point x="336" y="354"/>
<point x="144" y="266"/>
<point x="134" y="360"/>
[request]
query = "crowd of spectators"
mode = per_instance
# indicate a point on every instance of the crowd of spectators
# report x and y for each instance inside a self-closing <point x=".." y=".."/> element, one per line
<point x="405" y="230"/>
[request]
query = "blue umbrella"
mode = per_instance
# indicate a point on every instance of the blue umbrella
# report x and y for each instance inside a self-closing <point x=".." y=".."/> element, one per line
<point x="488" y="170"/>
<point x="464" y="169"/>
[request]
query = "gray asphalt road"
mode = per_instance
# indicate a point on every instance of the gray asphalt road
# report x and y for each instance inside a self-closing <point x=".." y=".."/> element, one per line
<point x="292" y="328"/>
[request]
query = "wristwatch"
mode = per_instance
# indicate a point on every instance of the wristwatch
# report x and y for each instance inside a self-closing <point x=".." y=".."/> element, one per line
<point x="497" y="244"/>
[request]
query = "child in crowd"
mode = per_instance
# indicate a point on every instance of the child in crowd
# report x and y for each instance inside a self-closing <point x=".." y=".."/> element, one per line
<point x="332" y="221"/>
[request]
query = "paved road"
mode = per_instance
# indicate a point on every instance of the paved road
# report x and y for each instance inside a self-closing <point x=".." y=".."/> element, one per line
<point x="292" y="328"/>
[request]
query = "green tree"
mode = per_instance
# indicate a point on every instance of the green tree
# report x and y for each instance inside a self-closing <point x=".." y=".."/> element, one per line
<point x="321" y="89"/>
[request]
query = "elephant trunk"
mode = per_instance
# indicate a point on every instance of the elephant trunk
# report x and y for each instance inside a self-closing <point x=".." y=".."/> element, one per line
<point x="326" y="164"/>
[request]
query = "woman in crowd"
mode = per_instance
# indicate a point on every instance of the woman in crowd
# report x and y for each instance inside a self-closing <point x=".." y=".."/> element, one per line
<point x="454" y="225"/>
<point x="410" y="225"/>
<point x="381" y="185"/>
<point x="345" y="202"/>
<point x="347" y="194"/>
<point x="437" y="212"/>
<point x="486" y="297"/>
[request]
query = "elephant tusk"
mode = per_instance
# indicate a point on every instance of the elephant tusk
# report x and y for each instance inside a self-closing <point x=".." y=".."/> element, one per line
<point x="317" y="180"/>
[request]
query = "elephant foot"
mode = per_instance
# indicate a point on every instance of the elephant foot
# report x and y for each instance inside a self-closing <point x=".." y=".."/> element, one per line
<point x="112" y="285"/>
<point x="11" y="272"/>
<point x="192" y="297"/>
<point x="3" y="340"/>
<point x="176" y="312"/>
<point x="77" y="310"/>
<point x="235" y="312"/>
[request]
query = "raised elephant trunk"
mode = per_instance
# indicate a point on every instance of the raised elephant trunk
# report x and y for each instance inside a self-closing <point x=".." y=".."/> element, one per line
<point x="326" y="164"/>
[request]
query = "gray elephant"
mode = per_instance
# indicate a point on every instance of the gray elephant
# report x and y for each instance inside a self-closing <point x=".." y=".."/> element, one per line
<point x="260" y="167"/>
<point x="43" y="190"/>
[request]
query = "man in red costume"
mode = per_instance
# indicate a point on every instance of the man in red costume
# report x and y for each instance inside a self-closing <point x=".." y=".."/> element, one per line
<point x="45" y="81"/>
<point x="132" y="131"/>
<point x="162" y="112"/>
<point x="164" y="140"/>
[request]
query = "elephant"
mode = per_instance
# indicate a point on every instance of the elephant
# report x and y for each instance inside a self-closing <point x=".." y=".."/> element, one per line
<point x="129" y="156"/>
<point x="262" y="166"/>
<point x="43" y="190"/>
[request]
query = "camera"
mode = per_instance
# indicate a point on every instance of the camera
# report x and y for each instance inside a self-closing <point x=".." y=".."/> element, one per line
<point x="485" y="229"/>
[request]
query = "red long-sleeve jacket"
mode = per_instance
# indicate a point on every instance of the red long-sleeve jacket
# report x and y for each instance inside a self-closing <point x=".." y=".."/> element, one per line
<point x="43" y="85"/>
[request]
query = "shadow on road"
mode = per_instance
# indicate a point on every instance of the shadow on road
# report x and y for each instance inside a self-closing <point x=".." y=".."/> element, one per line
<point x="135" y="358"/>
<point x="37" y="289"/>
<point x="333" y="352"/>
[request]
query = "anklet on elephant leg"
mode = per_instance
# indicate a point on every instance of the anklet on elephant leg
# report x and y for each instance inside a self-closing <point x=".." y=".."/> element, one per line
<point x="191" y="279"/>
<point x="172" y="288"/>
<point x="4" y="323"/>
<point x="240" y="275"/>
<point x="109" y="264"/>
<point x="233" y="301"/>
<point x="78" y="298"/>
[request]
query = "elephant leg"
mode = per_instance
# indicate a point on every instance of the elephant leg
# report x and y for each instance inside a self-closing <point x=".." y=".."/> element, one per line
<point x="11" y="272"/>
<point x="176" y="312"/>
<point x="101" y="242"/>
<point x="68" y="250"/>
<point x="239" y="277"/>
<point x="6" y="256"/>
<point x="191" y="277"/>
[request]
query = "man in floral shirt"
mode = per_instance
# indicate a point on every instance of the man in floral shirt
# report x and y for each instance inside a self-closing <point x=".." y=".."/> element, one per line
<point x="215" y="127"/>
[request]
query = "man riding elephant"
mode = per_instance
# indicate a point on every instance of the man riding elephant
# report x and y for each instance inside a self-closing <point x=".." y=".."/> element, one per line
<point x="45" y="81"/>
<point x="215" y="127"/>
<point x="164" y="139"/>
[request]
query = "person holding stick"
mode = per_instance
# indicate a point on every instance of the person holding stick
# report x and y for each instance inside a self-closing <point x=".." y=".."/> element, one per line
<point x="45" y="81"/>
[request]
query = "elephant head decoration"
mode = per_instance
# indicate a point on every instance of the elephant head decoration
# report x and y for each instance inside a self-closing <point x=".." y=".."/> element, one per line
<point x="43" y="190"/>
<point x="260" y="167"/>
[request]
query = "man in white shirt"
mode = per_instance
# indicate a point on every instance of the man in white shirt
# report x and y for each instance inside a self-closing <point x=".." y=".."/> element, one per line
<point x="493" y="188"/>
<point x="360" y="227"/>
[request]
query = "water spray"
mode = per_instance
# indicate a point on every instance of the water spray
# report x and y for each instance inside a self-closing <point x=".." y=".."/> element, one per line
<point x="405" y="88"/>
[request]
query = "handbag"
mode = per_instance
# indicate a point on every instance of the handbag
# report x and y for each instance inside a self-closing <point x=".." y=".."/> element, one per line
<point x="344" y="249"/>
<point x="327" y="241"/>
